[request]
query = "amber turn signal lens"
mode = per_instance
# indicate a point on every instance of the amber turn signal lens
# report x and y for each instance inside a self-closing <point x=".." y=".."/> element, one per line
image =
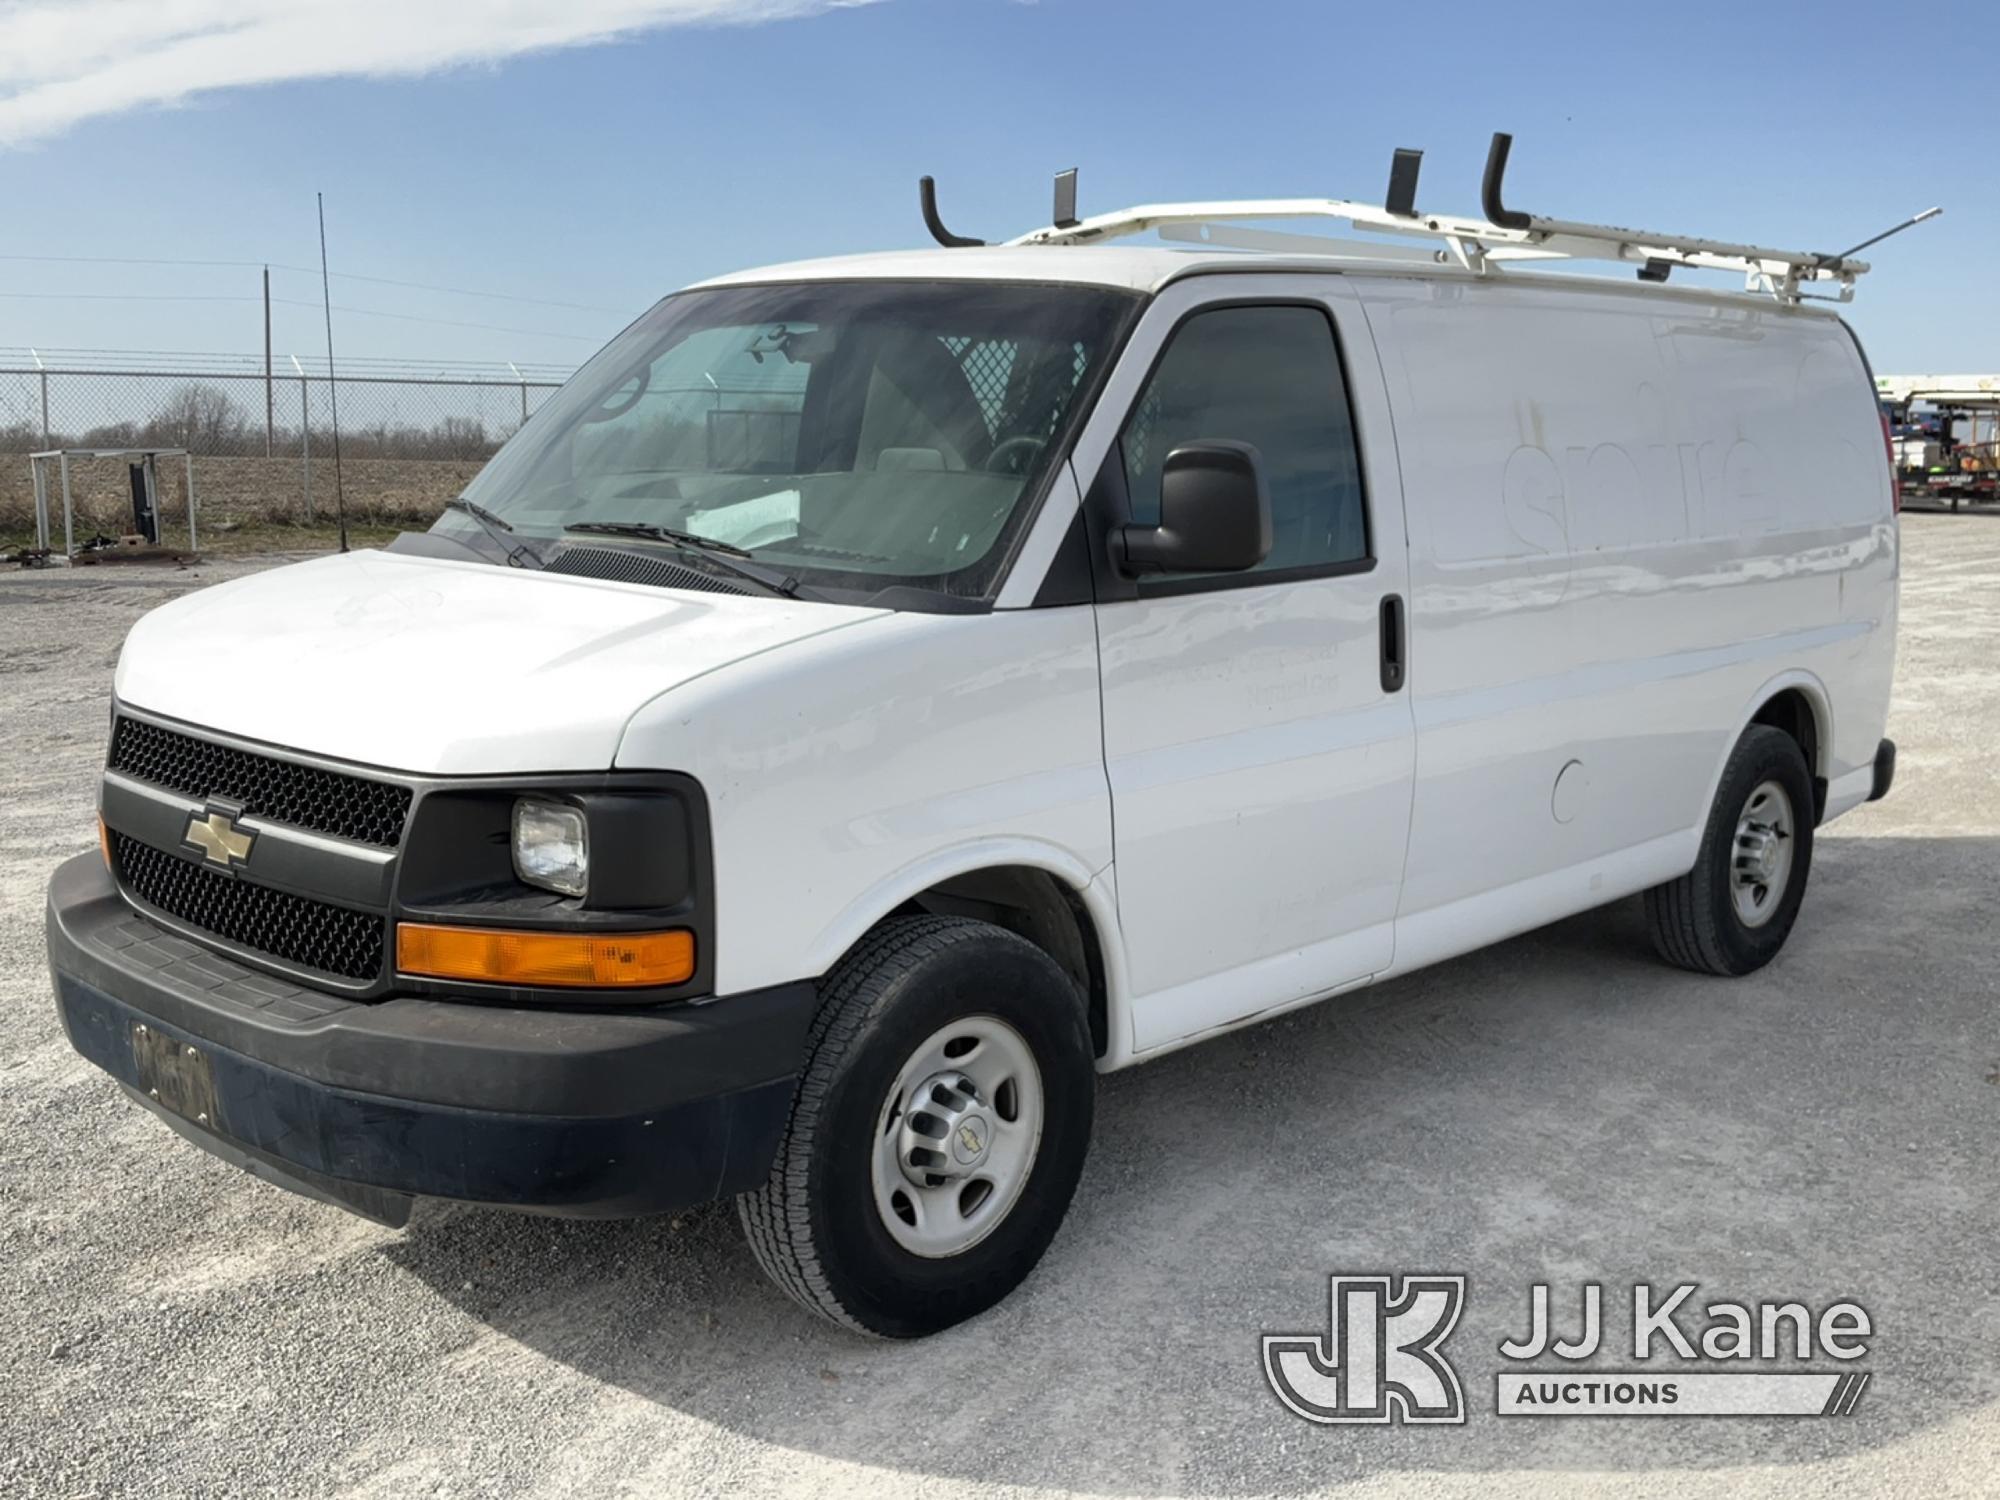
<point x="104" y="843"/>
<point x="505" y="956"/>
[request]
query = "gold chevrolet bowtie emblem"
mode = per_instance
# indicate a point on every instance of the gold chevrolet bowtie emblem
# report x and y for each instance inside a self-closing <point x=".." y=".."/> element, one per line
<point x="220" y="841"/>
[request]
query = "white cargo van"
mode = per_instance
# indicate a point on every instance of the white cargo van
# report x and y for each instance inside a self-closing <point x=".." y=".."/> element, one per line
<point x="877" y="695"/>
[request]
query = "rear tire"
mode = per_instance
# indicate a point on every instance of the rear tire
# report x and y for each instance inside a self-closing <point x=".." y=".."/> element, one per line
<point x="1732" y="912"/>
<point x="934" y="1032"/>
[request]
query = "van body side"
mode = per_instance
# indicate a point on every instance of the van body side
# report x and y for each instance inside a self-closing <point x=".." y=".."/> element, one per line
<point x="1631" y="526"/>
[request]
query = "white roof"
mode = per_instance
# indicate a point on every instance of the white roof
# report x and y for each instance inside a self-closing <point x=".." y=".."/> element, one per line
<point x="1147" y="268"/>
<point x="1137" y="268"/>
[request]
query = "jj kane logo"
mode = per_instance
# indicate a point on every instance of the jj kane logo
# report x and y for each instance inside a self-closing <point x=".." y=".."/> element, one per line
<point x="1382" y="1360"/>
<point x="1381" y="1363"/>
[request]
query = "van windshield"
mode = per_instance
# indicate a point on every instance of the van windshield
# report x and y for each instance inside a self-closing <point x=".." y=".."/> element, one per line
<point x="854" y="436"/>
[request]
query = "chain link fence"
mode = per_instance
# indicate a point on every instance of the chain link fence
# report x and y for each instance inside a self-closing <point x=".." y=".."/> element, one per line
<point x="411" y="436"/>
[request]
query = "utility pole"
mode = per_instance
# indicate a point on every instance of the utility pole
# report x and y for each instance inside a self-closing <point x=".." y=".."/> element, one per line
<point x="43" y="371"/>
<point x="270" y="400"/>
<point x="305" y="437"/>
<point x="332" y="383"/>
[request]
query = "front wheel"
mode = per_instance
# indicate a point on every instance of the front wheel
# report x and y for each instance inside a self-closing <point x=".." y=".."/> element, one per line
<point x="938" y="1133"/>
<point x="1732" y="912"/>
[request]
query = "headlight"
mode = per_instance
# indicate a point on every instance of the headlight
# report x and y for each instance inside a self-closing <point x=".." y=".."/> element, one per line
<point x="551" y="849"/>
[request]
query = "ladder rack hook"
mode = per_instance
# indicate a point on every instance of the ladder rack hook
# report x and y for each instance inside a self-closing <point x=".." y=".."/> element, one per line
<point x="1489" y="186"/>
<point x="927" y="197"/>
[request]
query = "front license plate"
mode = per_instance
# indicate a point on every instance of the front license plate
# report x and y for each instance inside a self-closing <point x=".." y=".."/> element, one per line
<point x="180" y="1077"/>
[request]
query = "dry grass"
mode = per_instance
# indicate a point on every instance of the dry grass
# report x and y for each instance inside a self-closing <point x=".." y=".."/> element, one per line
<point x="248" y="492"/>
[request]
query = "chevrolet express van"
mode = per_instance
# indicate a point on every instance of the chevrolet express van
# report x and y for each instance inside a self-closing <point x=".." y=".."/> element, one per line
<point x="876" y="696"/>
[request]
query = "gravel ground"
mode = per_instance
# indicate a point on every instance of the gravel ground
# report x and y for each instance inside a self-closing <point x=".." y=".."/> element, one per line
<point x="1558" y="1108"/>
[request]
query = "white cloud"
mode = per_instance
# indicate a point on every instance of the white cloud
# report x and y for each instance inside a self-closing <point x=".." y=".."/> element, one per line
<point x="62" y="61"/>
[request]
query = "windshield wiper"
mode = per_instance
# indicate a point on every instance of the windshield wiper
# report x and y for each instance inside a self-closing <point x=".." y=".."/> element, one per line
<point x="652" y="533"/>
<point x="718" y="553"/>
<point x="499" y="530"/>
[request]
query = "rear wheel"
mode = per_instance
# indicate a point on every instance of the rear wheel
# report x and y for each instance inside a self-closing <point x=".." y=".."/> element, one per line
<point x="1732" y="912"/>
<point x="938" y="1133"/>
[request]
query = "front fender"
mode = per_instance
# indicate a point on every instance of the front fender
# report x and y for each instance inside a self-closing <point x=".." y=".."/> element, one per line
<point x="847" y="772"/>
<point x="883" y="897"/>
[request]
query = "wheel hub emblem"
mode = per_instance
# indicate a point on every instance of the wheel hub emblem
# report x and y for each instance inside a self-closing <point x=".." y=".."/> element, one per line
<point x="970" y="1141"/>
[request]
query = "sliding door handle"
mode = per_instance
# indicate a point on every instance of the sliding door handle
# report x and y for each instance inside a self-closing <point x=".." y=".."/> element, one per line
<point x="1395" y="647"/>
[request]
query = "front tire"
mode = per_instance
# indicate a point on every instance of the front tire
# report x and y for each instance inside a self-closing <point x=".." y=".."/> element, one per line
<point x="1733" y="911"/>
<point x="938" y="1133"/>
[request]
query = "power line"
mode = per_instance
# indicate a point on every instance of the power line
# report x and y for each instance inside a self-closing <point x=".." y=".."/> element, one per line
<point x="459" y="291"/>
<point x="369" y="312"/>
<point x="182" y="362"/>
<point x="127" y="260"/>
<point x="118" y="297"/>
<point x="362" y="312"/>
<point x="253" y="265"/>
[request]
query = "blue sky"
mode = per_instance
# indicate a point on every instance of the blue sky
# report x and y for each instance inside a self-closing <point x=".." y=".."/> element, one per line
<point x="606" y="175"/>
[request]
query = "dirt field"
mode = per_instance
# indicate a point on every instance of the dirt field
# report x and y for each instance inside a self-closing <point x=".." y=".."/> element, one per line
<point x="244" y="491"/>
<point x="1560" y="1108"/>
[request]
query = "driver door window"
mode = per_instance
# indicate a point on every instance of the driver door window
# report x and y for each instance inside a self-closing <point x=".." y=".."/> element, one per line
<point x="1271" y="377"/>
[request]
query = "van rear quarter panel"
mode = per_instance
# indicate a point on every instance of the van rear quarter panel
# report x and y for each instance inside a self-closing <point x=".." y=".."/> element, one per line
<point x="1633" y="515"/>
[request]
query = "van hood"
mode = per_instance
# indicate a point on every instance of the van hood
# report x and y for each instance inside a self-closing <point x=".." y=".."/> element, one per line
<point x="442" y="667"/>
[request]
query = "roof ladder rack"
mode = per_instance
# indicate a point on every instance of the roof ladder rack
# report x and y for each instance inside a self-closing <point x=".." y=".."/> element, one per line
<point x="1503" y="237"/>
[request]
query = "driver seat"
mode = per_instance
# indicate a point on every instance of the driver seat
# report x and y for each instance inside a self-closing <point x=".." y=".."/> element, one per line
<point x="919" y="401"/>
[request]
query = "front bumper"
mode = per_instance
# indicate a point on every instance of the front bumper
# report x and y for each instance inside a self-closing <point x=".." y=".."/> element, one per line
<point x="587" y="1113"/>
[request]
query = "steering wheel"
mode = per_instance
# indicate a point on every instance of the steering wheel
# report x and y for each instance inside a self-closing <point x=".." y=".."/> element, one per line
<point x="1001" y="461"/>
<point x="613" y="406"/>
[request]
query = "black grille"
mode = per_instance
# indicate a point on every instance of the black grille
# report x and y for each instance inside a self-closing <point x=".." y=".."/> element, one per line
<point x="329" y="802"/>
<point x="620" y="566"/>
<point x="331" y="939"/>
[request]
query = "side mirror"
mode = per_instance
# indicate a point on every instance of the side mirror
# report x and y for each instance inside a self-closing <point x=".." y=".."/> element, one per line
<point x="1215" y="514"/>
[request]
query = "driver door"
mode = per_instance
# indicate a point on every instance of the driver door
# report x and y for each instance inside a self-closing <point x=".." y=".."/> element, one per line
<point x="1259" y="754"/>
